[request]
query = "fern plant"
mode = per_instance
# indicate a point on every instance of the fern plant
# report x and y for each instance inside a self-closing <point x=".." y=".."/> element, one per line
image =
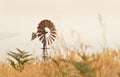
<point x="19" y="59"/>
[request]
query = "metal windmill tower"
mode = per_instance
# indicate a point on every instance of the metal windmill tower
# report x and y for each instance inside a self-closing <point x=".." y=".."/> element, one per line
<point x="46" y="33"/>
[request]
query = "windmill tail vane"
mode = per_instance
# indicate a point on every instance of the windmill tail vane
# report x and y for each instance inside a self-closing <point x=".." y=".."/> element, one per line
<point x="34" y="35"/>
<point x="46" y="37"/>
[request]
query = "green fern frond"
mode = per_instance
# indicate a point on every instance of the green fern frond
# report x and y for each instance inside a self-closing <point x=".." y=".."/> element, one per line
<point x="26" y="55"/>
<point x="21" y="58"/>
<point x="12" y="63"/>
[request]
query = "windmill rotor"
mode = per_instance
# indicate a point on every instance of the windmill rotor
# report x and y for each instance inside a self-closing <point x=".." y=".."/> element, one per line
<point x="46" y="27"/>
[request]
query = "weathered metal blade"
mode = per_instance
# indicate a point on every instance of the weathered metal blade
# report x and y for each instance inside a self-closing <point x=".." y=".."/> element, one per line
<point x="53" y="32"/>
<point x="40" y="34"/>
<point x="41" y="38"/>
<point x="52" y="38"/>
<point x="53" y="35"/>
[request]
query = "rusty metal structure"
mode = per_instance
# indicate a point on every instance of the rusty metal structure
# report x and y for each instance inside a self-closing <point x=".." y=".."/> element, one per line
<point x="46" y="33"/>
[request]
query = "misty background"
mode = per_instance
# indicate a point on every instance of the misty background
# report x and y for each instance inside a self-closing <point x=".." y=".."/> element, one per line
<point x="19" y="18"/>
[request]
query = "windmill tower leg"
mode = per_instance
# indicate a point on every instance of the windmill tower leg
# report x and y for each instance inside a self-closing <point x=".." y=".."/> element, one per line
<point x="45" y="54"/>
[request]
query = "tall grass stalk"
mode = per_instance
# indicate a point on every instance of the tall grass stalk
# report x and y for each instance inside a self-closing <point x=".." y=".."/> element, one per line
<point x="103" y="31"/>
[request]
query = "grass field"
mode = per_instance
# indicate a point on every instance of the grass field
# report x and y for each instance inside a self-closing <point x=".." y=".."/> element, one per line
<point x="104" y="64"/>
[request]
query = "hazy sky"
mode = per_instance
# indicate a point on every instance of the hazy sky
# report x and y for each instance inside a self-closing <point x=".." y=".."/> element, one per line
<point x="19" y="18"/>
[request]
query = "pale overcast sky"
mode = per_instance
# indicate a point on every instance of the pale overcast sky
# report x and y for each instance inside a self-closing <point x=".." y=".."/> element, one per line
<point x="19" y="18"/>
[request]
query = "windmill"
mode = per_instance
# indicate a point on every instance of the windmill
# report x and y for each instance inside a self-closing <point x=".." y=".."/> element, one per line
<point x="46" y="33"/>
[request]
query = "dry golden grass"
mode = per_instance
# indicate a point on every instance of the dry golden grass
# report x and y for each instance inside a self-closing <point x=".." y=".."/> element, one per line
<point x="40" y="69"/>
<point x="105" y="64"/>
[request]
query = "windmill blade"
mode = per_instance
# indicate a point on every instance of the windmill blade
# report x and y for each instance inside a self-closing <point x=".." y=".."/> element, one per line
<point x="40" y="31"/>
<point x="44" y="41"/>
<point x="41" y="25"/>
<point x="34" y="35"/>
<point x="52" y="28"/>
<point x="54" y="32"/>
<point x="40" y="34"/>
<point x="41" y="38"/>
<point x="52" y="38"/>
<point x="53" y="35"/>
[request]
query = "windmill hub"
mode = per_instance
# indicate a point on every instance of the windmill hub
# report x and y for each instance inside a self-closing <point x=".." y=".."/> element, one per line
<point x="47" y="30"/>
